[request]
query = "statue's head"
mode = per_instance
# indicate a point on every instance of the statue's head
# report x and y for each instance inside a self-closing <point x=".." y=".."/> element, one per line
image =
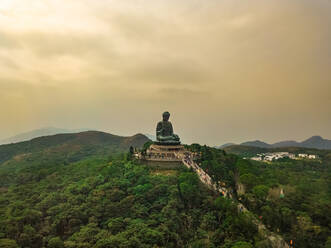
<point x="166" y="116"/>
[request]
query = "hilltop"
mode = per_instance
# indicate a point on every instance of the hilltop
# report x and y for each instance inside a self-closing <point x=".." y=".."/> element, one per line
<point x="72" y="146"/>
<point x="47" y="131"/>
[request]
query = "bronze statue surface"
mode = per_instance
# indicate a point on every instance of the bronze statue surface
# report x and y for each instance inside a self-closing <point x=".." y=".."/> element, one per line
<point x="164" y="132"/>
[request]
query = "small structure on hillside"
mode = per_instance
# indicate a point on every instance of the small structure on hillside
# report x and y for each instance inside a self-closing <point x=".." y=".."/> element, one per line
<point x="167" y="150"/>
<point x="309" y="156"/>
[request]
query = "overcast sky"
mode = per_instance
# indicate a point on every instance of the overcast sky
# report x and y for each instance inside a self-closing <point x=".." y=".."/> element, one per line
<point x="227" y="70"/>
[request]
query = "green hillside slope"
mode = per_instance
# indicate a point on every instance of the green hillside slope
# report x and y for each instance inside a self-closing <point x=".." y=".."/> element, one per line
<point x="113" y="202"/>
<point x="82" y="191"/>
<point x="68" y="145"/>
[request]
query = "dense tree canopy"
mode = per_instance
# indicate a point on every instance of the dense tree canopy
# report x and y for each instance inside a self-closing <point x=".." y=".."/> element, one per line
<point x="291" y="197"/>
<point x="113" y="201"/>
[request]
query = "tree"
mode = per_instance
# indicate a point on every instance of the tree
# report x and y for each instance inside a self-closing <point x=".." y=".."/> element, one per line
<point x="261" y="192"/>
<point x="242" y="244"/>
<point x="29" y="237"/>
<point x="115" y="225"/>
<point x="249" y="180"/>
<point x="8" y="243"/>
<point x="131" y="152"/>
<point x="55" y="243"/>
<point x="328" y="243"/>
<point x="209" y="221"/>
<point x="188" y="185"/>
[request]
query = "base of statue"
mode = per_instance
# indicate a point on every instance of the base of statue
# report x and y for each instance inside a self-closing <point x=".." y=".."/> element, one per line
<point x="167" y="143"/>
<point x="164" y="153"/>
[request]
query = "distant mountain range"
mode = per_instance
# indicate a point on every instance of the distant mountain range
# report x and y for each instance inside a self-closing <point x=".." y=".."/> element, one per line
<point x="72" y="146"/>
<point x="316" y="142"/>
<point x="39" y="133"/>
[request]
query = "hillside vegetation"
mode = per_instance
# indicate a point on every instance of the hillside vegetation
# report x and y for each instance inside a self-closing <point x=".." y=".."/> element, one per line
<point x="97" y="196"/>
<point x="68" y="147"/>
<point x="251" y="151"/>
<point x="303" y="212"/>
<point x="39" y="133"/>
<point x="291" y="197"/>
<point x="115" y="202"/>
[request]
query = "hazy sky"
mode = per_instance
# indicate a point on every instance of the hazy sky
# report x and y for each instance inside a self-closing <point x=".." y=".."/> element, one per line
<point x="227" y="70"/>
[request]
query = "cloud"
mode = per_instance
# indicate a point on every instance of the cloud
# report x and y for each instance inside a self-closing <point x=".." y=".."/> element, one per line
<point x="249" y="62"/>
<point x="178" y="94"/>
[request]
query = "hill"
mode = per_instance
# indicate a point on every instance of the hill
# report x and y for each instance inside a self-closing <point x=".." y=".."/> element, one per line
<point x="256" y="143"/>
<point x="225" y="145"/>
<point x="38" y="133"/>
<point x="316" y="142"/>
<point x="72" y="146"/>
<point x="286" y="143"/>
<point x="251" y="151"/>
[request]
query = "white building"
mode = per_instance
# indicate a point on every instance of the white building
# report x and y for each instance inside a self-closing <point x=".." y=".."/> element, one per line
<point x="273" y="156"/>
<point x="311" y="156"/>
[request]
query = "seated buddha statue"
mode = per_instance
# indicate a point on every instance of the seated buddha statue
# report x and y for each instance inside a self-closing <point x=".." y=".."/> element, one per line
<point x="164" y="132"/>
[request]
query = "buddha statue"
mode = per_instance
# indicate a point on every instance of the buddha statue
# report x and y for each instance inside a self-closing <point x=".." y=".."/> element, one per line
<point x="164" y="132"/>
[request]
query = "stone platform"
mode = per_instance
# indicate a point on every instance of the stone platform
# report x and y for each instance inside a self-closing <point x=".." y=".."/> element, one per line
<point x="164" y="153"/>
<point x="165" y="156"/>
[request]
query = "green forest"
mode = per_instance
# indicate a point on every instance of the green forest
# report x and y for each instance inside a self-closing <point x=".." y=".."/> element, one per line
<point x="111" y="200"/>
<point x="302" y="213"/>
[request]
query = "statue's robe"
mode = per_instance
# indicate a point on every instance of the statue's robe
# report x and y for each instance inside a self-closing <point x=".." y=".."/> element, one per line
<point x="164" y="129"/>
